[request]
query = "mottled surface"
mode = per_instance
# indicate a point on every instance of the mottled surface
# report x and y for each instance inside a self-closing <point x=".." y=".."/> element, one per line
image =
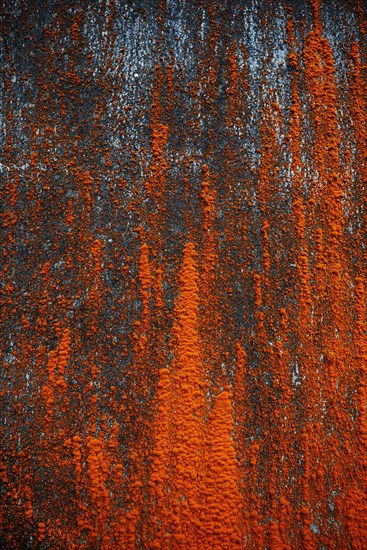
<point x="183" y="274"/>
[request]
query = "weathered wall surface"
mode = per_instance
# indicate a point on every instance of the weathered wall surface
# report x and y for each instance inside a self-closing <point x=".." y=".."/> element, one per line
<point x="183" y="274"/>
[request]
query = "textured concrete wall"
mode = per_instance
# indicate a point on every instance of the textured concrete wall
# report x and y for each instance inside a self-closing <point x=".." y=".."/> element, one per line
<point x="183" y="274"/>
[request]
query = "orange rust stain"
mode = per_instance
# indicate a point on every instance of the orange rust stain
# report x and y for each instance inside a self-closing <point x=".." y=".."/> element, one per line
<point x="57" y="362"/>
<point x="145" y="278"/>
<point x="188" y="403"/>
<point x="221" y="497"/>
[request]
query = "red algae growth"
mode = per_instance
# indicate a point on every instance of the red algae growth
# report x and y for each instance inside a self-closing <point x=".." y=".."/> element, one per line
<point x="183" y="279"/>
